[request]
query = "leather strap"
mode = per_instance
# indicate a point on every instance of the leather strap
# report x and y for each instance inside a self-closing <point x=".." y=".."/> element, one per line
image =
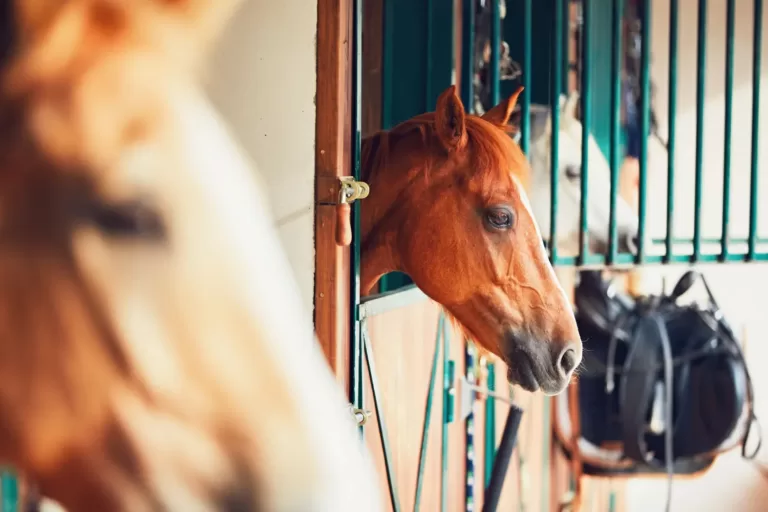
<point x="639" y="377"/>
<point x="637" y="390"/>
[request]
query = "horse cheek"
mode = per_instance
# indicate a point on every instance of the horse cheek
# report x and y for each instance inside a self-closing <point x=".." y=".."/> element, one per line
<point x="434" y="261"/>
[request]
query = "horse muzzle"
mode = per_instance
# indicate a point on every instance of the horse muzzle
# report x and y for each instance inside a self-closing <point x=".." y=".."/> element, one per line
<point x="540" y="365"/>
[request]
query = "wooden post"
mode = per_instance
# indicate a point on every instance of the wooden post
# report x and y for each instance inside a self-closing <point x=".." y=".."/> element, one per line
<point x="332" y="159"/>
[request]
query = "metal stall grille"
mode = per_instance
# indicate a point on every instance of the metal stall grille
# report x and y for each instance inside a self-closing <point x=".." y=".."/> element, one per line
<point x="546" y="26"/>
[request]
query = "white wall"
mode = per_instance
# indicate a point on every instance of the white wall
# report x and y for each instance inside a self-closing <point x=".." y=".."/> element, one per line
<point x="742" y="290"/>
<point x="262" y="79"/>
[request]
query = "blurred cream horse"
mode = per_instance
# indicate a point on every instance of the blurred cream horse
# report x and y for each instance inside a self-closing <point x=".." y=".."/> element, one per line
<point x="155" y="353"/>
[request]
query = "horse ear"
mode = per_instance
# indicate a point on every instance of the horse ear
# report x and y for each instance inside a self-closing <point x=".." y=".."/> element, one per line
<point x="541" y="121"/>
<point x="450" y="120"/>
<point x="501" y="114"/>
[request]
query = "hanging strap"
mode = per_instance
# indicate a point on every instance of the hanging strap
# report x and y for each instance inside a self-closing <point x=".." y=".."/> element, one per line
<point x="501" y="462"/>
<point x="639" y="379"/>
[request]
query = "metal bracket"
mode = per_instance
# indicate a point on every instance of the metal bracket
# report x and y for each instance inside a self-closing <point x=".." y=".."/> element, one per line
<point x="336" y="190"/>
<point x="341" y="192"/>
<point x="351" y="190"/>
<point x="361" y="415"/>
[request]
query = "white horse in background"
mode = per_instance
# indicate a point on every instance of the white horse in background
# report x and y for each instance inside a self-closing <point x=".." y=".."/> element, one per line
<point x="569" y="172"/>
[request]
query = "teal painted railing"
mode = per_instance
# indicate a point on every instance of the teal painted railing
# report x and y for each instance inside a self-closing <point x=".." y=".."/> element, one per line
<point x="672" y="121"/>
<point x="551" y="78"/>
<point x="9" y="487"/>
<point x="418" y="43"/>
<point x="615" y="154"/>
<point x="382" y="303"/>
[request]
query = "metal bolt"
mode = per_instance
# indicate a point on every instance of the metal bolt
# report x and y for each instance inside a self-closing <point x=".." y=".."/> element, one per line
<point x="361" y="415"/>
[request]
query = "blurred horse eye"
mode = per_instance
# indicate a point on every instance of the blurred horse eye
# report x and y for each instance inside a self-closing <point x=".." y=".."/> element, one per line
<point x="572" y="172"/>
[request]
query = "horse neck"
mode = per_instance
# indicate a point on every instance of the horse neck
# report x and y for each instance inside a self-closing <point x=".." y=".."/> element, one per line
<point x="379" y="213"/>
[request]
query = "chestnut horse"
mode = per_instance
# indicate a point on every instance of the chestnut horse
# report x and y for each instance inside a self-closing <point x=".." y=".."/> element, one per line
<point x="154" y="352"/>
<point x="447" y="206"/>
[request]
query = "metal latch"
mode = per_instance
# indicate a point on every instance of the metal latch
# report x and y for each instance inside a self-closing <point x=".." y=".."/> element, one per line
<point x="351" y="190"/>
<point x="344" y="191"/>
<point x="361" y="415"/>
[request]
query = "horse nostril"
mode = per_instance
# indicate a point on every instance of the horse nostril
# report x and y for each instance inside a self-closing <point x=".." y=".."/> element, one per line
<point x="568" y="361"/>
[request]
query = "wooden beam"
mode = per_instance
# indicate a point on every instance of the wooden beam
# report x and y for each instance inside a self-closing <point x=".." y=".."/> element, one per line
<point x="373" y="40"/>
<point x="332" y="159"/>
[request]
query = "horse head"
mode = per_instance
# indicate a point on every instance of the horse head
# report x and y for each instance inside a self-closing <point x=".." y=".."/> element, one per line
<point x="448" y="207"/>
<point x="154" y="351"/>
<point x="569" y="180"/>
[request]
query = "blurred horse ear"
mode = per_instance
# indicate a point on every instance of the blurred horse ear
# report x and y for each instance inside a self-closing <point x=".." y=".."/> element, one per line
<point x="201" y="21"/>
<point x="450" y="120"/>
<point x="205" y="18"/>
<point x="569" y="105"/>
<point x="541" y="121"/>
<point x="502" y="114"/>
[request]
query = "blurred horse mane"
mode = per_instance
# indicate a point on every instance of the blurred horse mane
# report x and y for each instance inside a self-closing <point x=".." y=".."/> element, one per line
<point x="154" y="353"/>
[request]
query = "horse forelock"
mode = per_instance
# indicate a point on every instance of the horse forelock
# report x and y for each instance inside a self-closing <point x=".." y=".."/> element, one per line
<point x="495" y="159"/>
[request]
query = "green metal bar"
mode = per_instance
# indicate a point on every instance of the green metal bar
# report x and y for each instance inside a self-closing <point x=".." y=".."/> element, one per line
<point x="10" y="491"/>
<point x="566" y="63"/>
<point x="525" y="126"/>
<point x="428" y="412"/>
<point x="387" y="62"/>
<point x="447" y="418"/>
<point x="450" y="398"/>
<point x="672" y="115"/>
<point x="645" y="126"/>
<point x="490" y="425"/>
<point x="428" y="99"/>
<point x="391" y="481"/>
<point x="467" y="55"/>
<point x="597" y="261"/>
<point x="557" y="72"/>
<point x="710" y="240"/>
<point x="616" y="156"/>
<point x="586" y="122"/>
<point x="701" y="77"/>
<point x="494" y="66"/>
<point x="756" y="65"/>
<point x="729" y="37"/>
<point x="356" y="353"/>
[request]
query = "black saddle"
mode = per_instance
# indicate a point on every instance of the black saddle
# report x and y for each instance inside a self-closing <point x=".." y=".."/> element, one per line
<point x="664" y="386"/>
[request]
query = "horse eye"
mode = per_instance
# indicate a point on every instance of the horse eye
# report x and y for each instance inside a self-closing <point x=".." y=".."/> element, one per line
<point x="572" y="172"/>
<point x="499" y="218"/>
